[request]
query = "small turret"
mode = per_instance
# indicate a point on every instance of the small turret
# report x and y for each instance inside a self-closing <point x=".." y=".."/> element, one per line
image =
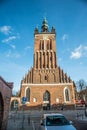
<point x="36" y="30"/>
<point x="53" y="30"/>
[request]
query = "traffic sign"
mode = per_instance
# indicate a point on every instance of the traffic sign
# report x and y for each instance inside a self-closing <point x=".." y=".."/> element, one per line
<point x="24" y="99"/>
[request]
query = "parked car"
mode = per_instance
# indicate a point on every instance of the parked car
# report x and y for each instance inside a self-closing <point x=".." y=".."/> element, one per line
<point x="80" y="103"/>
<point x="55" y="122"/>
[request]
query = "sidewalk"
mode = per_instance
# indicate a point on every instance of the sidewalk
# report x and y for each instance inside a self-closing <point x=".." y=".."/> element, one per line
<point x="18" y="122"/>
<point x="82" y="118"/>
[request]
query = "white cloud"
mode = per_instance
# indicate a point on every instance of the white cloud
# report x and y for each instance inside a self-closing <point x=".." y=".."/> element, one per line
<point x="85" y="48"/>
<point x="76" y="55"/>
<point x="17" y="55"/>
<point x="5" y="29"/>
<point x="64" y="37"/>
<point x="13" y="46"/>
<point x="28" y="47"/>
<point x="79" y="52"/>
<point x="8" y="53"/>
<point x="11" y="54"/>
<point x="79" y="48"/>
<point x="9" y="39"/>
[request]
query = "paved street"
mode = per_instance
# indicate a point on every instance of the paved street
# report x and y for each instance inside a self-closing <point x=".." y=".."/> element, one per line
<point x="29" y="120"/>
<point x="19" y="121"/>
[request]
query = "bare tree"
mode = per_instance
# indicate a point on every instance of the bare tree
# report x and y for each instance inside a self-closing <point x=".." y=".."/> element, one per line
<point x="80" y="86"/>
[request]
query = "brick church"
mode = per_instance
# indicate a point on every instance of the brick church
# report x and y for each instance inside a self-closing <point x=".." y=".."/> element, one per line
<point x="46" y="84"/>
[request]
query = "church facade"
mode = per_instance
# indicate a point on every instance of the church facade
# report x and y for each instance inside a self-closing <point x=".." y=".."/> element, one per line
<point x="46" y="84"/>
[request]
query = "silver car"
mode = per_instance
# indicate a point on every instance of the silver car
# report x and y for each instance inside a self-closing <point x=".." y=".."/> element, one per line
<point x="55" y="122"/>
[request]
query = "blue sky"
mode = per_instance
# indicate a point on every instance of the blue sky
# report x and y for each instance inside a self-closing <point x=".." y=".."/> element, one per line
<point x="18" y="19"/>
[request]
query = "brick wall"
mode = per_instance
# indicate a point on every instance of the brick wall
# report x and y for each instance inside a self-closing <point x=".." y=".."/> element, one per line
<point x="6" y="93"/>
<point x="56" y="92"/>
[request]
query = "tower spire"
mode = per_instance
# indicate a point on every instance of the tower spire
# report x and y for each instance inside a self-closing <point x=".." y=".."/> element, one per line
<point x="44" y="25"/>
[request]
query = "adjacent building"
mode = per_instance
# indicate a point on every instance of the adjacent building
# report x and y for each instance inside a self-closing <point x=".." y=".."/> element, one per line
<point x="5" y="96"/>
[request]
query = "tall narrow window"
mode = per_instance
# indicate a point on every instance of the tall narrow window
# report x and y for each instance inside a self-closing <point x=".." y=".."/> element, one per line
<point x="28" y="94"/>
<point x="47" y="60"/>
<point x="40" y="60"/>
<point x="43" y="59"/>
<point x="67" y="95"/>
<point x="36" y="59"/>
<point x="42" y="44"/>
<point x="47" y="44"/>
<point x="51" y="60"/>
<point x="55" y="58"/>
<point x="50" y="44"/>
<point x="40" y="47"/>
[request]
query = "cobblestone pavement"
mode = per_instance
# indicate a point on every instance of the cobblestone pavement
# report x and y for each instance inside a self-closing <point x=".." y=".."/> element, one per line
<point x="27" y="119"/>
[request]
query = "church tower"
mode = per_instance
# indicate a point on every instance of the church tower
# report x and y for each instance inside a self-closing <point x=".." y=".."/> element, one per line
<point x="45" y="48"/>
<point x="45" y="61"/>
<point x="46" y="83"/>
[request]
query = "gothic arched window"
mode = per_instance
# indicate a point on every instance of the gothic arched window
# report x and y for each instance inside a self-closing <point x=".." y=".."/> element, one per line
<point x="28" y="94"/>
<point x="67" y="95"/>
<point x="46" y="96"/>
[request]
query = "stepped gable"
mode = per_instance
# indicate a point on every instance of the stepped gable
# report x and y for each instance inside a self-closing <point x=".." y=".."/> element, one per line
<point x="63" y="78"/>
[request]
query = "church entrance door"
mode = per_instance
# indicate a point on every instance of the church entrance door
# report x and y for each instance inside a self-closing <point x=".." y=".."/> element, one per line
<point x="46" y="101"/>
